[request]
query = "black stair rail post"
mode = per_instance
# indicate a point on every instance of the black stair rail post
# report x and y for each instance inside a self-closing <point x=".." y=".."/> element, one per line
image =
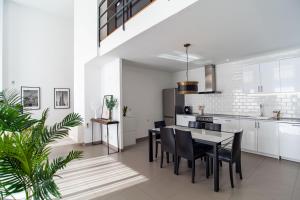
<point x="123" y="13"/>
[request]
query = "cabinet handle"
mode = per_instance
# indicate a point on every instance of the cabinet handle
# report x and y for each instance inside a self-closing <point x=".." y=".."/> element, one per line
<point x="255" y="125"/>
<point x="296" y="125"/>
<point x="261" y="88"/>
<point x="258" y="126"/>
<point x="258" y="88"/>
<point x="227" y="120"/>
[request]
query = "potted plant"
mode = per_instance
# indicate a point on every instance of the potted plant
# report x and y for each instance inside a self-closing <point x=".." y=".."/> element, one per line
<point x="110" y="104"/>
<point x="24" y="150"/>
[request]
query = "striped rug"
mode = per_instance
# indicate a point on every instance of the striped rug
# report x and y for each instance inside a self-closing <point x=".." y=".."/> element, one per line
<point x="95" y="177"/>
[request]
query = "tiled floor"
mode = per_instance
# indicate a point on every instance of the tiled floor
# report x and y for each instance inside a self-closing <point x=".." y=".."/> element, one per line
<point x="264" y="178"/>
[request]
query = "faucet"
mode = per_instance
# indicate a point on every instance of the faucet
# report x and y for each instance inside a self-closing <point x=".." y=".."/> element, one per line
<point x="261" y="110"/>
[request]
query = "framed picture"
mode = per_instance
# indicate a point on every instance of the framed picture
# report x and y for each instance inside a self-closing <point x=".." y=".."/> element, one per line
<point x="105" y="111"/>
<point x="61" y="98"/>
<point x="30" y="98"/>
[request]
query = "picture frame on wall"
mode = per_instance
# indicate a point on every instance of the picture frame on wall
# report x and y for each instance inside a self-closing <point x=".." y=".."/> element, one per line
<point x="62" y="98"/>
<point x="30" y="98"/>
<point x="105" y="111"/>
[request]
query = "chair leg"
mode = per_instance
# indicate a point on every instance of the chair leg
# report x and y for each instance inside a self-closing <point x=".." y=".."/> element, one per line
<point x="173" y="158"/>
<point x="168" y="157"/>
<point x="161" y="159"/>
<point x="211" y="165"/>
<point x="156" y="149"/>
<point x="231" y="175"/>
<point x="193" y="171"/>
<point x="207" y="167"/>
<point x="178" y="163"/>
<point x="175" y="163"/>
<point x="240" y="169"/>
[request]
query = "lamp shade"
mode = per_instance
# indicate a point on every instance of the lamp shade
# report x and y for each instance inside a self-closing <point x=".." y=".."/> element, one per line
<point x="187" y="87"/>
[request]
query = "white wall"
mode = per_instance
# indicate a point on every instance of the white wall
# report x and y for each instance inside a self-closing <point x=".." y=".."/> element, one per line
<point x="103" y="80"/>
<point x="155" y="13"/>
<point x="142" y="93"/>
<point x="233" y="100"/>
<point x="38" y="51"/>
<point x="1" y="43"/>
<point x="85" y="49"/>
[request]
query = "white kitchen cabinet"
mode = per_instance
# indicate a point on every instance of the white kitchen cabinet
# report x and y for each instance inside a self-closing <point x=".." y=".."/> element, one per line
<point x="289" y="75"/>
<point x="183" y="120"/>
<point x="227" y="124"/>
<point x="249" y="139"/>
<point x="251" y="78"/>
<point x="289" y="135"/>
<point x="269" y="77"/>
<point x="267" y="138"/>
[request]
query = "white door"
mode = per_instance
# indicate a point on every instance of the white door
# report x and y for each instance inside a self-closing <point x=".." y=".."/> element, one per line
<point x="289" y="135"/>
<point x="269" y="77"/>
<point x="289" y="75"/>
<point x="267" y="138"/>
<point x="251" y="79"/>
<point x="249" y="139"/>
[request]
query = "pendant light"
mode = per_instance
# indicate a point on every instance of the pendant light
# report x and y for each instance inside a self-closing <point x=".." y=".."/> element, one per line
<point x="187" y="87"/>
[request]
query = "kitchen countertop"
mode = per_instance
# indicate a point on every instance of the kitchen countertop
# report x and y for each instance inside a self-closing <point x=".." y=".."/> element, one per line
<point x="281" y="120"/>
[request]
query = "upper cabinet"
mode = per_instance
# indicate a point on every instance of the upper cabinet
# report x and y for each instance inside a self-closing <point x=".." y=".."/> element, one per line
<point x="262" y="78"/>
<point x="289" y="75"/>
<point x="269" y="77"/>
<point x="251" y="80"/>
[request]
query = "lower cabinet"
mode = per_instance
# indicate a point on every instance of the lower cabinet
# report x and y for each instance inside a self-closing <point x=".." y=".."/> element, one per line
<point x="289" y="135"/>
<point x="267" y="138"/>
<point x="249" y="139"/>
<point x="183" y="120"/>
<point x="228" y="124"/>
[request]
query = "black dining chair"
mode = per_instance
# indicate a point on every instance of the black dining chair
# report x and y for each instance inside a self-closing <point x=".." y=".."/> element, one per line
<point x="195" y="124"/>
<point x="158" y="124"/>
<point x="167" y="139"/>
<point x="187" y="148"/>
<point x="232" y="156"/>
<point x="212" y="127"/>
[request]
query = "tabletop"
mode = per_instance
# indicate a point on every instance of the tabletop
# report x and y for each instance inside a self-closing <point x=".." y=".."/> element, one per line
<point x="206" y="135"/>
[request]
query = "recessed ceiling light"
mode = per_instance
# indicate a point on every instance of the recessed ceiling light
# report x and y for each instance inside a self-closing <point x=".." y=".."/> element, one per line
<point x="227" y="60"/>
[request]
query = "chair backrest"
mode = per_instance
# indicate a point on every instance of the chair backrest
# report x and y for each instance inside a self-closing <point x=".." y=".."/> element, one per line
<point x="213" y="127"/>
<point x="184" y="144"/>
<point x="159" y="124"/>
<point x="195" y="124"/>
<point x="236" y="146"/>
<point x="167" y="138"/>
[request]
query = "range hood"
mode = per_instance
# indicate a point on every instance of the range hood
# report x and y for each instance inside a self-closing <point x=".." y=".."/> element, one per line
<point x="210" y="80"/>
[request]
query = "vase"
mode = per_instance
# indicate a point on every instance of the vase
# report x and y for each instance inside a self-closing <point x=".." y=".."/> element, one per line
<point x="110" y="115"/>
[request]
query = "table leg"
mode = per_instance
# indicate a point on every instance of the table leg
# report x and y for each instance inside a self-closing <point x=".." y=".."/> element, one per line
<point x="101" y="129"/>
<point x="216" y="168"/>
<point x="150" y="136"/>
<point x="118" y="137"/>
<point x="92" y="132"/>
<point x="107" y="139"/>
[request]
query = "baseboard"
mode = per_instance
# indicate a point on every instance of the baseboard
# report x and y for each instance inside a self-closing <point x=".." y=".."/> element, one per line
<point x="142" y="139"/>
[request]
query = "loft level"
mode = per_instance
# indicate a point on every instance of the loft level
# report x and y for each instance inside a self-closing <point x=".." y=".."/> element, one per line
<point x="115" y="13"/>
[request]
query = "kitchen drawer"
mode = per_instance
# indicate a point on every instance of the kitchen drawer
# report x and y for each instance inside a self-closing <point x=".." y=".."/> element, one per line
<point x="183" y="120"/>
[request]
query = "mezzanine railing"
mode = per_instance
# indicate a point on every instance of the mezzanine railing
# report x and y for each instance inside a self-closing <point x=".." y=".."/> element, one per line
<point x="115" y="13"/>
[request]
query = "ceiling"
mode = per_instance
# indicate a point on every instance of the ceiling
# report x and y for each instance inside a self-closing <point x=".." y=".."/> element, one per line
<point x="62" y="8"/>
<point x="219" y="31"/>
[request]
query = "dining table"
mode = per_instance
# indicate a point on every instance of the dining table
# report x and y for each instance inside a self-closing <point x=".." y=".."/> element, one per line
<point x="208" y="137"/>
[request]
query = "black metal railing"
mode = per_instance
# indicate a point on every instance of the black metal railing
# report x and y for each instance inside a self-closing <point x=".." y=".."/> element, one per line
<point x="115" y="13"/>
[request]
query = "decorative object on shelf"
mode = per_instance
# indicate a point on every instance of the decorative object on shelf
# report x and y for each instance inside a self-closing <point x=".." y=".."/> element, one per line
<point x="201" y="110"/>
<point x="61" y="98"/>
<point x="26" y="170"/>
<point x="187" y="87"/>
<point x="30" y="97"/>
<point x="108" y="105"/>
<point x="276" y="114"/>
<point x="125" y="108"/>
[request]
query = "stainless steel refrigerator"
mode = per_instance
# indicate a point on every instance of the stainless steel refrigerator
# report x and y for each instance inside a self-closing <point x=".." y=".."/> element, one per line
<point x="173" y="103"/>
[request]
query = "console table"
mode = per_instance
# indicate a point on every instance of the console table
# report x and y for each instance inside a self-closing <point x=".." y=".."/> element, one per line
<point x="107" y="123"/>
